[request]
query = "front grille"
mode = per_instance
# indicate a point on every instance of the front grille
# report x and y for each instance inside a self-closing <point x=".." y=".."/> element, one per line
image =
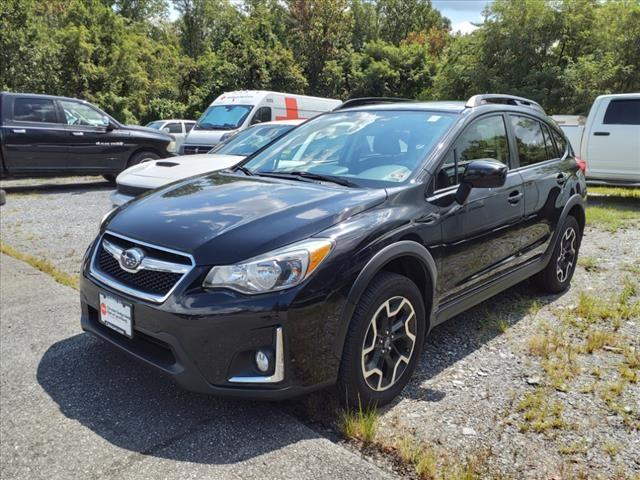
<point x="191" y="149"/>
<point x="152" y="284"/>
<point x="158" y="283"/>
<point x="131" y="191"/>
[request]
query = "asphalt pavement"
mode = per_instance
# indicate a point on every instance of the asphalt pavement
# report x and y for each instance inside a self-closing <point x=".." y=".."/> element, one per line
<point x="74" y="407"/>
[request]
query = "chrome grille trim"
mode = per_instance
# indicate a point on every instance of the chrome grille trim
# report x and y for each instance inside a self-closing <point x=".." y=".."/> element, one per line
<point x="147" y="263"/>
<point x="153" y="264"/>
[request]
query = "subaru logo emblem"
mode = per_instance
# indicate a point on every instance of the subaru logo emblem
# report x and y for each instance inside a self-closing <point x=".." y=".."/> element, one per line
<point x="131" y="259"/>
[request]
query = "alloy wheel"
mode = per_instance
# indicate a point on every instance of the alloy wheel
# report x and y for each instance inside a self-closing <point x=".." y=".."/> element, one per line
<point x="566" y="255"/>
<point x="389" y="343"/>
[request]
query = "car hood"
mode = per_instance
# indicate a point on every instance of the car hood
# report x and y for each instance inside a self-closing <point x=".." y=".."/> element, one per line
<point x="204" y="137"/>
<point x="176" y="168"/>
<point x="150" y="131"/>
<point x="223" y="219"/>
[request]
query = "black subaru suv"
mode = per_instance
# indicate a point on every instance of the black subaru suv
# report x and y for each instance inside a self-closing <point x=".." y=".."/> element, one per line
<point x="329" y="255"/>
<point x="43" y="136"/>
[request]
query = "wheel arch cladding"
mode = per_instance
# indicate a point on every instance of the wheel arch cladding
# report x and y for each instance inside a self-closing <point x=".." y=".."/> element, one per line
<point x="406" y="257"/>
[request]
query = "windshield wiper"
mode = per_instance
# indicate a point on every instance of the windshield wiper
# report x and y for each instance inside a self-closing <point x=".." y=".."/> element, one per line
<point x="244" y="170"/>
<point x="302" y="175"/>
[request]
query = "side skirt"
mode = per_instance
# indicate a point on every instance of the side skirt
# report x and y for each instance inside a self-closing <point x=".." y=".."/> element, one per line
<point x="480" y="294"/>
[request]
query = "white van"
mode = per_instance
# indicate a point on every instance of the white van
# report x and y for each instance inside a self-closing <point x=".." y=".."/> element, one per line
<point x="609" y="140"/>
<point x="235" y="111"/>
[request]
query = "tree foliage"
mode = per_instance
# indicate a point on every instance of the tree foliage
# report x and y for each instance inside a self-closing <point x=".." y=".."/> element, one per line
<point x="147" y="59"/>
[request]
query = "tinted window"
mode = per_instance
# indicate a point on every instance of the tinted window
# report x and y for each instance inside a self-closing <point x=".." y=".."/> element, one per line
<point x="561" y="143"/>
<point x="81" y="114"/>
<point x="173" y="127"/>
<point x="188" y="126"/>
<point x="34" y="110"/>
<point x="262" y="115"/>
<point x="530" y="140"/>
<point x="623" y="112"/>
<point x="484" y="139"/>
<point x="369" y="148"/>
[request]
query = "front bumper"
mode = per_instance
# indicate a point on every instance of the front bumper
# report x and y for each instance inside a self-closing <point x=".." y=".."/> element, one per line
<point x="205" y="340"/>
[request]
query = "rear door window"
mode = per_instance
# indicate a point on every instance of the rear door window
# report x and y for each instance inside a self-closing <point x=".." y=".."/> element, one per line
<point x="34" y="110"/>
<point x="530" y="140"/>
<point x="623" y="112"/>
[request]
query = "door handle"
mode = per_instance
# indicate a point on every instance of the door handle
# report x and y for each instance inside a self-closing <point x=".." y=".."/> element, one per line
<point x="561" y="178"/>
<point x="19" y="130"/>
<point x="601" y="134"/>
<point x="515" y="197"/>
<point x="77" y="134"/>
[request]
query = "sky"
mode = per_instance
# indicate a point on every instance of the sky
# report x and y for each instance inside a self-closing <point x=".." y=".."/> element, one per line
<point x="462" y="13"/>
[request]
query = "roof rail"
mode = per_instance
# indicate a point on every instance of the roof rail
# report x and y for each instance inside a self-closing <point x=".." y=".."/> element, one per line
<point x="483" y="99"/>
<point x="359" y="102"/>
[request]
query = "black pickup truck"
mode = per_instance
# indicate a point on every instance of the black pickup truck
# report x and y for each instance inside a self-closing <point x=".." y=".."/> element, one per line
<point x="47" y="136"/>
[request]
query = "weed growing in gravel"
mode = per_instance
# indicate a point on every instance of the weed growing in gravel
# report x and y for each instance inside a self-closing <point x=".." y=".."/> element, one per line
<point x="611" y="448"/>
<point x="360" y="424"/>
<point x="590" y="264"/>
<point x="573" y="448"/>
<point x="540" y="412"/>
<point x="41" y="264"/>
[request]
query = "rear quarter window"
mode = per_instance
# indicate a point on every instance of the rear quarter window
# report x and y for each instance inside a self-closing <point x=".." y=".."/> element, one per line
<point x="623" y="112"/>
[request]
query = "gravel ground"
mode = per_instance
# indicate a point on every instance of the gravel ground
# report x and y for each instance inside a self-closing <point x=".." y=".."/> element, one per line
<point x="480" y="391"/>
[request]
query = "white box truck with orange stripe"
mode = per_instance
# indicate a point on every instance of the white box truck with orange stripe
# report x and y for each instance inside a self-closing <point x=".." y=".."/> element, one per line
<point x="234" y="111"/>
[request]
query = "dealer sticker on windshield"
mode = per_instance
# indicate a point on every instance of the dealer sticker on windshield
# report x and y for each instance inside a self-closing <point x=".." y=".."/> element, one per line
<point x="116" y="315"/>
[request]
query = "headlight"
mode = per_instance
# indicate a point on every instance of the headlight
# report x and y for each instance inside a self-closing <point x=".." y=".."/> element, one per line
<point x="172" y="146"/>
<point x="278" y="270"/>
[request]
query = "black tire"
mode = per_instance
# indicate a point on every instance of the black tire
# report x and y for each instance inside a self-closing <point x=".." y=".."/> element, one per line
<point x="556" y="277"/>
<point x="110" y="178"/>
<point x="142" y="157"/>
<point x="356" y="390"/>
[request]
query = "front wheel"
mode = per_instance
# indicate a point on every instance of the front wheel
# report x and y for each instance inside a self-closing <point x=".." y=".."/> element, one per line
<point x="141" y="157"/>
<point x="556" y="277"/>
<point x="383" y="343"/>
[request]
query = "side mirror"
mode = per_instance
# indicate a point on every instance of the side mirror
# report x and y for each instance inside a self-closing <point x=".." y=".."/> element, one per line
<point x="165" y="130"/>
<point x="484" y="173"/>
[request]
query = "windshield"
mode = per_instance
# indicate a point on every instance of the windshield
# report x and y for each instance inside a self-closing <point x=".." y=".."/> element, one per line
<point x="155" y="125"/>
<point x="223" y="117"/>
<point x="367" y="148"/>
<point x="251" y="140"/>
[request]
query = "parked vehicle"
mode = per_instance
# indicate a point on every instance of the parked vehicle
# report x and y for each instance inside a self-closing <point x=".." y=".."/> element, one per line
<point x="146" y="176"/>
<point x="608" y="140"/>
<point x="327" y="256"/>
<point x="176" y="128"/>
<point x="45" y="136"/>
<point x="234" y="111"/>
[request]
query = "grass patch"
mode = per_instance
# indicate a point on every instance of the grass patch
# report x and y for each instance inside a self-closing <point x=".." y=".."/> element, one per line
<point x="540" y="413"/>
<point x="620" y="192"/>
<point x="597" y="339"/>
<point x="43" y="265"/>
<point x="611" y="218"/>
<point x="430" y="464"/>
<point x="360" y="424"/>
<point x="611" y="448"/>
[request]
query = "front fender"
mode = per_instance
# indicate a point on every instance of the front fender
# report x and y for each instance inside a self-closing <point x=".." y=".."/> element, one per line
<point x="374" y="265"/>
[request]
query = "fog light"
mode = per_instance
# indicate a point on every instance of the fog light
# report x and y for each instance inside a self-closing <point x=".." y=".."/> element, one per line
<point x="262" y="361"/>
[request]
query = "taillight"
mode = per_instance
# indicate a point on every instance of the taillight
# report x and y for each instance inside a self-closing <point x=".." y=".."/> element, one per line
<point x="582" y="165"/>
